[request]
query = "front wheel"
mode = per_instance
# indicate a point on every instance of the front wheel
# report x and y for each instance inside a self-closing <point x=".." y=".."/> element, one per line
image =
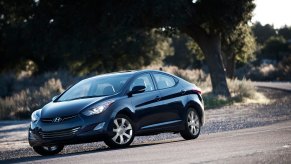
<point x="123" y="132"/>
<point x="48" y="150"/>
<point x="192" y="125"/>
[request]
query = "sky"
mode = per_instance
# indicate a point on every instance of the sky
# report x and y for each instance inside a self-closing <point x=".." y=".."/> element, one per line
<point x="274" y="12"/>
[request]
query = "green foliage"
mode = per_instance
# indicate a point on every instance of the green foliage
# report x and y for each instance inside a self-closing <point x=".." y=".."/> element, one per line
<point x="285" y="68"/>
<point x="218" y="16"/>
<point x="214" y="101"/>
<point x="263" y="33"/>
<point x="275" y="48"/>
<point x="187" y="53"/>
<point x="246" y="44"/>
<point x="269" y="72"/>
<point x="101" y="36"/>
<point x="285" y="32"/>
<point x="240" y="43"/>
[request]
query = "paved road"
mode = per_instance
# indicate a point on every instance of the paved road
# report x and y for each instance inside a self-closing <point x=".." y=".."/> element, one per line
<point x="274" y="85"/>
<point x="268" y="144"/>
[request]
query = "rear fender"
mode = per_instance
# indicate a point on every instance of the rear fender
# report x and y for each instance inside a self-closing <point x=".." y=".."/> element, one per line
<point x="198" y="108"/>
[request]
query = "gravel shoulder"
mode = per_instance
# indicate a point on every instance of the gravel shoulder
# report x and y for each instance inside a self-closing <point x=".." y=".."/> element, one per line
<point x="13" y="134"/>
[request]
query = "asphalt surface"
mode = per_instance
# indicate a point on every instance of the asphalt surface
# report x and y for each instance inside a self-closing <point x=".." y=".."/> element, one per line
<point x="268" y="144"/>
<point x="251" y="133"/>
<point x="284" y="86"/>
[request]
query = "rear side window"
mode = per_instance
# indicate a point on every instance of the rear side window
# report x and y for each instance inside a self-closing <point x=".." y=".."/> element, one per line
<point x="164" y="81"/>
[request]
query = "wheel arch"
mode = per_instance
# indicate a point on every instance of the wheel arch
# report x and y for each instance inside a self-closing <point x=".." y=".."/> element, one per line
<point x="197" y="107"/>
<point x="126" y="111"/>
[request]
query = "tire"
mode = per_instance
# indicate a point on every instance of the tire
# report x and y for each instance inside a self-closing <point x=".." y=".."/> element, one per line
<point x="192" y="125"/>
<point x="123" y="132"/>
<point x="48" y="150"/>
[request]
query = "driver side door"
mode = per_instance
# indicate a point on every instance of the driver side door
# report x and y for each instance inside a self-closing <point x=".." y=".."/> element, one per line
<point x="147" y="103"/>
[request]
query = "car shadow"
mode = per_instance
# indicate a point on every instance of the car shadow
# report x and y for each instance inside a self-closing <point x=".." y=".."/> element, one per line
<point x="36" y="158"/>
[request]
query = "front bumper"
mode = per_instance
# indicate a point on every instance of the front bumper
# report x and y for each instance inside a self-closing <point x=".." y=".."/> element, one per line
<point x="76" y="130"/>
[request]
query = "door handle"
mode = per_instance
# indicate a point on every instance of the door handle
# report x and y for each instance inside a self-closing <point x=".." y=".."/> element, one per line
<point x="183" y="92"/>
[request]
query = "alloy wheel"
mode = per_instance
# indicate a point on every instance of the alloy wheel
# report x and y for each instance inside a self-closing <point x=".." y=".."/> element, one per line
<point x="122" y="130"/>
<point x="193" y="123"/>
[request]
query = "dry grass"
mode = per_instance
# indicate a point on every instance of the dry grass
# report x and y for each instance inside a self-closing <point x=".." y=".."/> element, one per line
<point x="21" y="104"/>
<point x="243" y="91"/>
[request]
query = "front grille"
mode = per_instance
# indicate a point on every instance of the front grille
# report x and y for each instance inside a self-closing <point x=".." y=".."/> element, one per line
<point x="48" y="120"/>
<point x="58" y="134"/>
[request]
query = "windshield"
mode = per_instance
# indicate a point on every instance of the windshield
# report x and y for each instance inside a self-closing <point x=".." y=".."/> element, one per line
<point x="95" y="87"/>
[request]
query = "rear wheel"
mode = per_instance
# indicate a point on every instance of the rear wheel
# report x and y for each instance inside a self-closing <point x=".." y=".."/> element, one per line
<point x="123" y="132"/>
<point x="192" y="125"/>
<point x="48" y="150"/>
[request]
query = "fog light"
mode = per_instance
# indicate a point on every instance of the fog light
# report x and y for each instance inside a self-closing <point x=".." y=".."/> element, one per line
<point x="99" y="126"/>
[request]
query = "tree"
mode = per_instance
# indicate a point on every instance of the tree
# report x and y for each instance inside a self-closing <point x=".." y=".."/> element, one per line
<point x="204" y="21"/>
<point x="285" y="32"/>
<point x="238" y="46"/>
<point x="263" y="33"/>
<point x="13" y="21"/>
<point x="275" y="49"/>
<point x="73" y="35"/>
<point x="62" y="30"/>
<point x="187" y="53"/>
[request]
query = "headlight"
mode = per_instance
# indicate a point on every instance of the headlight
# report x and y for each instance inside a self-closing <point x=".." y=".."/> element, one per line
<point x="98" y="109"/>
<point x="35" y="116"/>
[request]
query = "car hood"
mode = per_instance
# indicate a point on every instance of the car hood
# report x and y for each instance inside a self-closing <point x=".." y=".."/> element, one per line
<point x="67" y="108"/>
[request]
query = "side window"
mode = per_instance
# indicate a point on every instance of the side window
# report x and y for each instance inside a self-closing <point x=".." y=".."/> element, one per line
<point x="144" y="80"/>
<point x="164" y="81"/>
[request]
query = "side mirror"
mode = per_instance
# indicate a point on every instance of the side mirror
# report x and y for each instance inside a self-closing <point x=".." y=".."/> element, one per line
<point x="136" y="89"/>
<point x="55" y="97"/>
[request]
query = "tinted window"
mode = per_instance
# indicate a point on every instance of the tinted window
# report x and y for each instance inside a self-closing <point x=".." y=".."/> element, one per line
<point x="164" y="81"/>
<point x="143" y="80"/>
<point x="98" y="86"/>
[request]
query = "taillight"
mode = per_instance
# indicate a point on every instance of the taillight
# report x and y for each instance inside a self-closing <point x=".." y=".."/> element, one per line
<point x="197" y="91"/>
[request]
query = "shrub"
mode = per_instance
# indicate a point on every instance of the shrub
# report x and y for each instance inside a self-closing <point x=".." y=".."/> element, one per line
<point x="285" y="68"/>
<point x="6" y="84"/>
<point x="267" y="72"/>
<point x="240" y="89"/>
<point x="22" y="104"/>
<point x="214" y="101"/>
<point x="22" y="94"/>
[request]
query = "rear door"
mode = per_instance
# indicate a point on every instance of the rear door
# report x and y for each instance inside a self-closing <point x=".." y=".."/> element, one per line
<point x="172" y="98"/>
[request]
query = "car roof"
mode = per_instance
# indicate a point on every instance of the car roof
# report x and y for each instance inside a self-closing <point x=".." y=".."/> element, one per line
<point x="129" y="72"/>
<point x="132" y="72"/>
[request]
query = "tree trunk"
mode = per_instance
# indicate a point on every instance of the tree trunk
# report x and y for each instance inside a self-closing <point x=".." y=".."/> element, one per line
<point x="230" y="65"/>
<point x="211" y="47"/>
<point x="228" y="59"/>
